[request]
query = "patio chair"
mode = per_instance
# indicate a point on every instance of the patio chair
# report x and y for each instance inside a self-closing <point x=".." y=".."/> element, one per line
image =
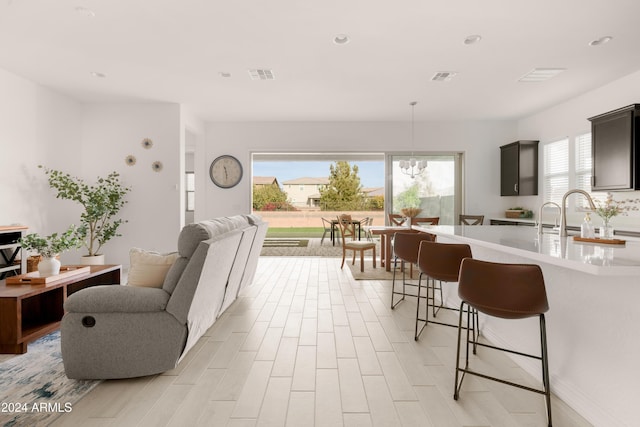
<point x="327" y="229"/>
<point x="366" y="223"/>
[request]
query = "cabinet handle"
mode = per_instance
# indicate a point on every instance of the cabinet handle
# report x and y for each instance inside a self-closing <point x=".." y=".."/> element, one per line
<point x="515" y="187"/>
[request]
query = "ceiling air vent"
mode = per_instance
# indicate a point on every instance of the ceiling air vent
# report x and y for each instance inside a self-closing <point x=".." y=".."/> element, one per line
<point x="261" y="74"/>
<point x="540" y="74"/>
<point x="443" y="76"/>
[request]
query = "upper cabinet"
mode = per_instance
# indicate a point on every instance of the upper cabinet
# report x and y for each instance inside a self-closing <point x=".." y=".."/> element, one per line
<point x="616" y="150"/>
<point x="519" y="169"/>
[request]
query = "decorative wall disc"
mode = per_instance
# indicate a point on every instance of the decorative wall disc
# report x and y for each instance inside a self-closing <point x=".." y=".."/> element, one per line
<point x="147" y="143"/>
<point x="130" y="160"/>
<point x="156" y="166"/>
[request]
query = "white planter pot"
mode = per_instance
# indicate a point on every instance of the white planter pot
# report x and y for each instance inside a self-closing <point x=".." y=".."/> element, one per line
<point x="49" y="267"/>
<point x="92" y="260"/>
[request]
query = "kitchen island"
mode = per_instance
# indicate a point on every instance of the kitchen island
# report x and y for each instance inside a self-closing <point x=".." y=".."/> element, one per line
<point x="592" y="321"/>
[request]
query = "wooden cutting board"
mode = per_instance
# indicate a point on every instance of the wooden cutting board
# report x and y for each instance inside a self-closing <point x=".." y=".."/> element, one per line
<point x="600" y="241"/>
<point x="34" y="278"/>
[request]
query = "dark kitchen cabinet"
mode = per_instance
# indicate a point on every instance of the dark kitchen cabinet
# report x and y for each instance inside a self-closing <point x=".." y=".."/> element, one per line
<point x="616" y="150"/>
<point x="519" y="169"/>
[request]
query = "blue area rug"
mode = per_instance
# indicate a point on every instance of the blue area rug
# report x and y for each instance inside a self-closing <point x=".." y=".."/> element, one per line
<point x="34" y="389"/>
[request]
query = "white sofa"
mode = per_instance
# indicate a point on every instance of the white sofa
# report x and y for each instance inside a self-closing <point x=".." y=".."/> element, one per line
<point x="126" y="331"/>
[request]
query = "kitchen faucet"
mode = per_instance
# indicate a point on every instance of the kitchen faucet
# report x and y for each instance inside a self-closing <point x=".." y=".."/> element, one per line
<point x="540" y="214"/>
<point x="563" y="209"/>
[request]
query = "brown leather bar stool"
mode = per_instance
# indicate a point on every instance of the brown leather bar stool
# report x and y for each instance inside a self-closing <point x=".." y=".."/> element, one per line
<point x="507" y="291"/>
<point x="441" y="262"/>
<point x="405" y="247"/>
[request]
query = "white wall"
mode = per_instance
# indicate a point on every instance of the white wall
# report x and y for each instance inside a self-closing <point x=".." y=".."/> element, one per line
<point x="39" y="126"/>
<point x="569" y="119"/>
<point x="480" y="141"/>
<point x="110" y="132"/>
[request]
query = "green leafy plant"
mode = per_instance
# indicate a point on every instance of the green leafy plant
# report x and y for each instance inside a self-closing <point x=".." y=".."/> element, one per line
<point x="526" y="213"/>
<point x="101" y="202"/>
<point x="53" y="245"/>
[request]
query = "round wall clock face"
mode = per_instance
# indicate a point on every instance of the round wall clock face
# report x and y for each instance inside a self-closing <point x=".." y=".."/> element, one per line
<point x="225" y="171"/>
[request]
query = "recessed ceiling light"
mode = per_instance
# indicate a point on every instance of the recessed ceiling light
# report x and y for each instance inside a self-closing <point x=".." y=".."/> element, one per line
<point x="261" y="74"/>
<point x="540" y="74"/>
<point x="224" y="74"/>
<point x="443" y="76"/>
<point x="341" y="39"/>
<point x="472" y="39"/>
<point x="98" y="75"/>
<point x="85" y="11"/>
<point x="601" y="40"/>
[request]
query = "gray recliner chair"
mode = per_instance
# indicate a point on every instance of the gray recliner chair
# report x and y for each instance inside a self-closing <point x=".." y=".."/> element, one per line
<point x="123" y="331"/>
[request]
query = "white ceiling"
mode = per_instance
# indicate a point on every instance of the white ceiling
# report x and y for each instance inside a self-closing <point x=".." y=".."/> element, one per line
<point x="173" y="51"/>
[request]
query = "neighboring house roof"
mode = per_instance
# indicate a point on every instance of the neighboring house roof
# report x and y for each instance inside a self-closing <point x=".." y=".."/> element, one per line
<point x="373" y="191"/>
<point x="265" y="180"/>
<point x="307" y="180"/>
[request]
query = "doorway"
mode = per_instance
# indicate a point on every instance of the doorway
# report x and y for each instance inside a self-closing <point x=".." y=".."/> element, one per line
<point x="437" y="190"/>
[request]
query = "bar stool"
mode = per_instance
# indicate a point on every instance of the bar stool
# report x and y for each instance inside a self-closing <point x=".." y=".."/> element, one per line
<point x="507" y="291"/>
<point x="406" y="246"/>
<point x="441" y="262"/>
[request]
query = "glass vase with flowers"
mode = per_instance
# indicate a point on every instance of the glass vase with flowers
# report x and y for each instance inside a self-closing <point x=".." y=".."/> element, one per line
<point x="606" y="211"/>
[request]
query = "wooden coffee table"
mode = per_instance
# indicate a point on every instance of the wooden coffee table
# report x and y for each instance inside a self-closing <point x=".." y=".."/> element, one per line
<point x="28" y="312"/>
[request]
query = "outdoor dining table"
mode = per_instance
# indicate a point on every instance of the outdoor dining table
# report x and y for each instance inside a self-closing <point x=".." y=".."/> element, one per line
<point x="386" y="234"/>
<point x="334" y="223"/>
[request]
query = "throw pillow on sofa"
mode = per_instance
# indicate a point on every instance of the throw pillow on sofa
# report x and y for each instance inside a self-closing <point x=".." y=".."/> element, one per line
<point x="148" y="268"/>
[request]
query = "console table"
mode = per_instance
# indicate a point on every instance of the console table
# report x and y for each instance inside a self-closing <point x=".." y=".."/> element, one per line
<point x="28" y="312"/>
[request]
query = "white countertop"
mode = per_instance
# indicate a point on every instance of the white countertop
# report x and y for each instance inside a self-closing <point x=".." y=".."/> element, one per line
<point x="616" y="226"/>
<point x="591" y="258"/>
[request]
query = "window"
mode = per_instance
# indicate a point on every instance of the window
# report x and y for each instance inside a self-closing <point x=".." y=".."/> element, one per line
<point x="191" y="191"/>
<point x="556" y="170"/>
<point x="583" y="163"/>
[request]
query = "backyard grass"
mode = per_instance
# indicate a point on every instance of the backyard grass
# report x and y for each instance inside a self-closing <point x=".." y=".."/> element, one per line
<point x="295" y="232"/>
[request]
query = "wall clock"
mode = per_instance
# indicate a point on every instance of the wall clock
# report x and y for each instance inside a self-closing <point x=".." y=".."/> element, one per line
<point x="225" y="171"/>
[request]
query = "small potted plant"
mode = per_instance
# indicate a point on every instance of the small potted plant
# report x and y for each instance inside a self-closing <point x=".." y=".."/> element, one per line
<point x="50" y="247"/>
<point x="101" y="201"/>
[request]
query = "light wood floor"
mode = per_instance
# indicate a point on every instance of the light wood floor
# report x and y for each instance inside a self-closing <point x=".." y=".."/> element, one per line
<point x="308" y="345"/>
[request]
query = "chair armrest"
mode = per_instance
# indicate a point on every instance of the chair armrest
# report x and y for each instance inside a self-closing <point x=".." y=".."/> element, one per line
<point x="117" y="299"/>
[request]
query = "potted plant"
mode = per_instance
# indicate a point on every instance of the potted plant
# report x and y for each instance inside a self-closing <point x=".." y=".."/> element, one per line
<point x="101" y="201"/>
<point x="50" y="247"/>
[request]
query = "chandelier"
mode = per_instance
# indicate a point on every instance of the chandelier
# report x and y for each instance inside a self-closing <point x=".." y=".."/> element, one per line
<point x="412" y="167"/>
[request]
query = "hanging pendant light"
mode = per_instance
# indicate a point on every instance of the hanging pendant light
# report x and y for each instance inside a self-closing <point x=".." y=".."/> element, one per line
<point x="412" y="167"/>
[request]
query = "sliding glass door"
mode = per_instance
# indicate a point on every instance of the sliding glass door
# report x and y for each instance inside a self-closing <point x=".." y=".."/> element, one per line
<point x="436" y="190"/>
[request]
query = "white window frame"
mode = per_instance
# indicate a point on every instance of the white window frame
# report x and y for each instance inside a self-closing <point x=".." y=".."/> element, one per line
<point x="555" y="170"/>
<point x="190" y="190"/>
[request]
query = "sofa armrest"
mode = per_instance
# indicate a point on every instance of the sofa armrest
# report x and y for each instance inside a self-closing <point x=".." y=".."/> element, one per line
<point x="117" y="299"/>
